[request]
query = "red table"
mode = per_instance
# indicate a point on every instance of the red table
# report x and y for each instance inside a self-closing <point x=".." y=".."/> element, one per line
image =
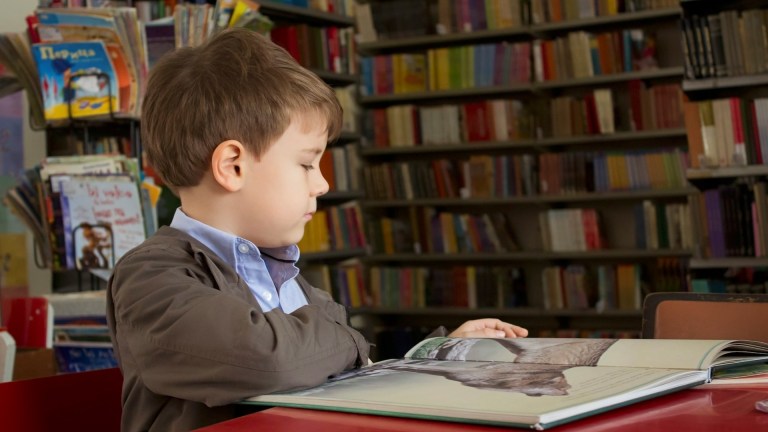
<point x="696" y="410"/>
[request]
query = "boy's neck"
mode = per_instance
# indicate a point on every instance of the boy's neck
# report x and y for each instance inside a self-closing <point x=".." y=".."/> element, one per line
<point x="209" y="207"/>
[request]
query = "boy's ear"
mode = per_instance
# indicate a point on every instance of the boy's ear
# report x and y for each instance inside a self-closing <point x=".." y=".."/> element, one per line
<point x="227" y="164"/>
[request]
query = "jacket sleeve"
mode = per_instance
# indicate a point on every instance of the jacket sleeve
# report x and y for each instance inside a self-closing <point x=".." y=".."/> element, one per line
<point x="191" y="341"/>
<point x="339" y="313"/>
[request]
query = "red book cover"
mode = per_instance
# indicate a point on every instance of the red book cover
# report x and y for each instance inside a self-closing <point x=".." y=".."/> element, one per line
<point x="437" y="172"/>
<point x="500" y="50"/>
<point x="34" y="36"/>
<point x="287" y="37"/>
<point x="737" y="125"/>
<point x="352" y="227"/>
<point x="591" y="229"/>
<point x="460" y="295"/>
<point x="548" y="60"/>
<point x="380" y="128"/>
<point x="635" y="104"/>
<point x="416" y="123"/>
<point x="334" y="49"/>
<point x="326" y="168"/>
<point x="382" y="74"/>
<point x="591" y="114"/>
<point x="476" y="122"/>
<point x="755" y="133"/>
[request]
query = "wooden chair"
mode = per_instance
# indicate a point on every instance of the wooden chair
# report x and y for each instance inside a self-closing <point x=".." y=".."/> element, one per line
<point x="688" y="315"/>
<point x="83" y="401"/>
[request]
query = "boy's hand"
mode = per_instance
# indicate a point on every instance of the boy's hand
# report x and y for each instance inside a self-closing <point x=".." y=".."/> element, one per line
<point x="488" y="328"/>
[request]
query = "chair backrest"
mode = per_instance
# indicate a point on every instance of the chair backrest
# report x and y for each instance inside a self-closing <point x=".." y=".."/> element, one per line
<point x="81" y="401"/>
<point x="688" y="315"/>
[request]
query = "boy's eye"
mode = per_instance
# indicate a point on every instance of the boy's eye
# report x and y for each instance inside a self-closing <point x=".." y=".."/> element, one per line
<point x="308" y="167"/>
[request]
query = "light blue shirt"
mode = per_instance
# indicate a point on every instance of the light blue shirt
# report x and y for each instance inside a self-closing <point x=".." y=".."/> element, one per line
<point x="270" y="273"/>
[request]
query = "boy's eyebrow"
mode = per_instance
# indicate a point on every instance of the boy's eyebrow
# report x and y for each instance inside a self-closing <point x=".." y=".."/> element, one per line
<point x="313" y="150"/>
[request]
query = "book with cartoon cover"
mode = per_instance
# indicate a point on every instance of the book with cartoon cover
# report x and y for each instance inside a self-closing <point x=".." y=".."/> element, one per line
<point x="118" y="29"/>
<point x="525" y="382"/>
<point x="76" y="76"/>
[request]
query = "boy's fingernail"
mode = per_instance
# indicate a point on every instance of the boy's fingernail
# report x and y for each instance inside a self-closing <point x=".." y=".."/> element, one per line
<point x="499" y="334"/>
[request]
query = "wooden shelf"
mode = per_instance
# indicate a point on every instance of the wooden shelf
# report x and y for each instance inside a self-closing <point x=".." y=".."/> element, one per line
<point x="726" y="172"/>
<point x="622" y="18"/>
<point x="717" y="263"/>
<point x="500" y="257"/>
<point x="505" y="312"/>
<point x="430" y="41"/>
<point x="523" y="32"/>
<point x="475" y="146"/>
<point x="335" y="79"/>
<point x="531" y="200"/>
<point x="446" y="94"/>
<point x="347" y="136"/>
<point x="670" y="72"/>
<point x="342" y="195"/>
<point x="725" y="82"/>
<point x="332" y="255"/>
<point x="302" y="14"/>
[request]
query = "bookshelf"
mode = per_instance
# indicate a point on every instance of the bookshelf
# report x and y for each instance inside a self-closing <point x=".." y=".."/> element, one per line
<point x="725" y="86"/>
<point x="401" y="200"/>
<point x="321" y="31"/>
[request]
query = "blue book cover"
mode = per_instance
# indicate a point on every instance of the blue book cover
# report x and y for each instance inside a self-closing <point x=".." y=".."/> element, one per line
<point x="76" y="75"/>
<point x="84" y="356"/>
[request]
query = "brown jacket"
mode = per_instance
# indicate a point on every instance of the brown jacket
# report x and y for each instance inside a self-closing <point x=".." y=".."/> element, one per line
<point x="191" y="339"/>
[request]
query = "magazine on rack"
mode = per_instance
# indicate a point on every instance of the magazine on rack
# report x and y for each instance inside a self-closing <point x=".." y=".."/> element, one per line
<point x="524" y="382"/>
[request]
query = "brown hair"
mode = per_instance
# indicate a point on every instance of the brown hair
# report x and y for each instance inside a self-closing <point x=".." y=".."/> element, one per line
<point x="238" y="85"/>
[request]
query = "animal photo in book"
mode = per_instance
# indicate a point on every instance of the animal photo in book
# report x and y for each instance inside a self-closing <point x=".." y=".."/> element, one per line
<point x="527" y="371"/>
<point x="93" y="246"/>
<point x="102" y="218"/>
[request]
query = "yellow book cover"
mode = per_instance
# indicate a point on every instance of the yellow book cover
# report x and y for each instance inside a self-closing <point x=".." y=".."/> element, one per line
<point x="443" y="73"/>
<point x="353" y="289"/>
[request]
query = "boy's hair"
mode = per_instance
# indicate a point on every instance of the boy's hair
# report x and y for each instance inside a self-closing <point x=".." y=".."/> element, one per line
<point x="239" y="86"/>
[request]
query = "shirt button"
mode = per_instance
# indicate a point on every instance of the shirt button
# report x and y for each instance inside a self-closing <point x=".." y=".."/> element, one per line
<point x="243" y="248"/>
<point x="267" y="296"/>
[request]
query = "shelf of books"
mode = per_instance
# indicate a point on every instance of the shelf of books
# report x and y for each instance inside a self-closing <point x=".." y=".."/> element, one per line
<point x="726" y="101"/>
<point x="89" y="102"/>
<point x="530" y="136"/>
<point x="532" y="200"/>
<point x="618" y="138"/>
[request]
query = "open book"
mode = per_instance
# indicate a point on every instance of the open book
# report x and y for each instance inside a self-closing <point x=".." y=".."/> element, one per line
<point x="525" y="382"/>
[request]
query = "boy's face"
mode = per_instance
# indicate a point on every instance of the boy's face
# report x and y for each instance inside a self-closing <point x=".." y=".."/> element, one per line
<point x="282" y="186"/>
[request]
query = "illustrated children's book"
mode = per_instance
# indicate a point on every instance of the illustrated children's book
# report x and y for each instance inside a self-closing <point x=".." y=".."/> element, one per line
<point x="77" y="78"/>
<point x="524" y="382"/>
<point x="102" y="218"/>
<point x="117" y="28"/>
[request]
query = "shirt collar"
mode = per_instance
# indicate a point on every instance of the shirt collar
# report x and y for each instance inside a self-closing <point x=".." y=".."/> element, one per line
<point x="223" y="243"/>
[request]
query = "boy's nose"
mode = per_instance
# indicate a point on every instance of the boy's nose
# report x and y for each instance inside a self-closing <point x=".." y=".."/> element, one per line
<point x="320" y="186"/>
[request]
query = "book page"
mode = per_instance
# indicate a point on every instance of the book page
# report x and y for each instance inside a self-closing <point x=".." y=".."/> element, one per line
<point x="561" y="351"/>
<point x="503" y="392"/>
<point x="653" y="353"/>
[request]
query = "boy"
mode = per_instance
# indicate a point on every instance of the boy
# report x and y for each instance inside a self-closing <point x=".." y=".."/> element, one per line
<point x="212" y="310"/>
